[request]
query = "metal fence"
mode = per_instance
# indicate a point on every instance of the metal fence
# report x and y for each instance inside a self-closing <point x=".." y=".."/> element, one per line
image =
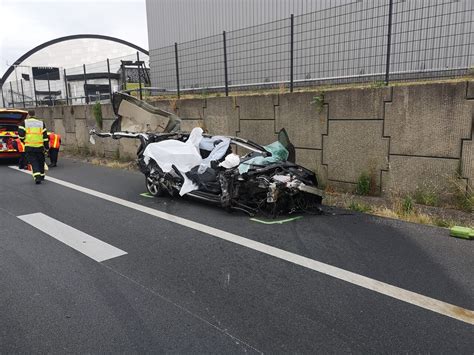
<point x="84" y="84"/>
<point x="364" y="41"/>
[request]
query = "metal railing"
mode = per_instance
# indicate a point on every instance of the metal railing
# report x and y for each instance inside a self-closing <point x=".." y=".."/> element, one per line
<point x="83" y="84"/>
<point x="376" y="41"/>
<point x="364" y="41"/>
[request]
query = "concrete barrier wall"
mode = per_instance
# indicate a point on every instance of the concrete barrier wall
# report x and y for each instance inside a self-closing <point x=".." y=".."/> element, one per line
<point x="405" y="137"/>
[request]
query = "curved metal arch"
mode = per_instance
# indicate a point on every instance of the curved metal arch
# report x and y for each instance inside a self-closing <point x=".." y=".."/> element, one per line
<point x="63" y="39"/>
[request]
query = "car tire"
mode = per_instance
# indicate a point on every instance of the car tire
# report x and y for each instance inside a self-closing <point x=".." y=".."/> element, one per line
<point x="152" y="188"/>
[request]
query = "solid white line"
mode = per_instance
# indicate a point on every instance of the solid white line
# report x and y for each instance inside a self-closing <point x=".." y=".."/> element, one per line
<point x="80" y="241"/>
<point x="456" y="312"/>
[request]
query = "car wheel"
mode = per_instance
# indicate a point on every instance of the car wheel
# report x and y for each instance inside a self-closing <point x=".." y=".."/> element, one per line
<point x="152" y="188"/>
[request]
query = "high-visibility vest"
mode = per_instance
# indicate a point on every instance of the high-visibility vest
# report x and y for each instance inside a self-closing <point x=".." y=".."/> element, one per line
<point x="34" y="133"/>
<point x="54" y="140"/>
<point x="20" y="146"/>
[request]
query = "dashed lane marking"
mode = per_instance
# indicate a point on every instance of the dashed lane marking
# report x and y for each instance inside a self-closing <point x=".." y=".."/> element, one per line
<point x="80" y="241"/>
<point x="434" y="305"/>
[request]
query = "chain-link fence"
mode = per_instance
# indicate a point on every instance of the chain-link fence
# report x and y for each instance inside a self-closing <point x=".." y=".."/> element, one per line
<point x="88" y="83"/>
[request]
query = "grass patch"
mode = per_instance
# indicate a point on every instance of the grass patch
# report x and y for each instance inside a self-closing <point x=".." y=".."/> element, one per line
<point x="407" y="205"/>
<point x="318" y="101"/>
<point x="360" y="207"/>
<point x="426" y="197"/>
<point x="463" y="194"/>
<point x="363" y="184"/>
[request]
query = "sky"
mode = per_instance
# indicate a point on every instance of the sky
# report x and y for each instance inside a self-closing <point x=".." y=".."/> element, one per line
<point x="28" y="23"/>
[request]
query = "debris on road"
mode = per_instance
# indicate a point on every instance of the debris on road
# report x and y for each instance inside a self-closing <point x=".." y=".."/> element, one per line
<point x="462" y="232"/>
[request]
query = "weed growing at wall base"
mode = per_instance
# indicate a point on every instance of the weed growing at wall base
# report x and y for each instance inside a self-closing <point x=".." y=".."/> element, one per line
<point x="363" y="184"/>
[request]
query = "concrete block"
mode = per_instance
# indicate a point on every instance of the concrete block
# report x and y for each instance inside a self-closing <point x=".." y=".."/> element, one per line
<point x="137" y="119"/>
<point x="107" y="125"/>
<point x="69" y="139"/>
<point x="79" y="111"/>
<point x="69" y="124"/>
<point x="191" y="108"/>
<point x="188" y="125"/>
<point x="128" y="148"/>
<point x="342" y="186"/>
<point x="90" y="117"/>
<point x="304" y="121"/>
<point x="58" y="111"/>
<point x="45" y="113"/>
<point x="221" y="116"/>
<point x="107" y="111"/>
<point x="407" y="174"/>
<point x="257" y="107"/>
<point x="357" y="103"/>
<point x="467" y="164"/>
<point x="470" y="89"/>
<point x="166" y="105"/>
<point x="58" y="127"/>
<point x="429" y="120"/>
<point x="312" y="160"/>
<point x="355" y="147"/>
<point x="82" y="133"/>
<point x="259" y="131"/>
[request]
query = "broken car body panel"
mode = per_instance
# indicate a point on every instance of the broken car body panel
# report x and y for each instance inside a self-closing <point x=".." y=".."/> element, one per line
<point x="265" y="180"/>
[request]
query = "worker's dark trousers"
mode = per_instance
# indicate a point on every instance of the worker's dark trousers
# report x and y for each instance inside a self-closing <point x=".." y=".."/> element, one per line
<point x="22" y="161"/>
<point x="53" y="155"/>
<point x="36" y="159"/>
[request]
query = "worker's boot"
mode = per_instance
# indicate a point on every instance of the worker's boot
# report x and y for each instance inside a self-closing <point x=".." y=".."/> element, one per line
<point x="38" y="181"/>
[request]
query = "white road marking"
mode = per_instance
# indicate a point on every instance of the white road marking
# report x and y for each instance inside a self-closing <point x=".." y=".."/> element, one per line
<point x="80" y="241"/>
<point x="434" y="305"/>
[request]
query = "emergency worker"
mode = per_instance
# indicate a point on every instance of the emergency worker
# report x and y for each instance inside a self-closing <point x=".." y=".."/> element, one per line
<point x="20" y="147"/>
<point x="54" y="144"/>
<point x="35" y="137"/>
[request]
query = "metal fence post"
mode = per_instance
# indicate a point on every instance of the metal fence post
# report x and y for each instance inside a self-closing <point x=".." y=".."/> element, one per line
<point x="49" y="91"/>
<point x="122" y="75"/>
<point x="226" y="78"/>
<point x="66" y="88"/>
<point x="3" y="97"/>
<point x="22" y="93"/>
<point x="292" y="33"/>
<point x="139" y="77"/>
<point x="85" y="84"/>
<point x="11" y="94"/>
<point x="177" y="67"/>
<point x="110" y="83"/>
<point x="34" y="89"/>
<point x="389" y="41"/>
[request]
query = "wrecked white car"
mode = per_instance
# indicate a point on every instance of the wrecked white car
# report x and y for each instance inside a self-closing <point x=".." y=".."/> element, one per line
<point x="230" y="172"/>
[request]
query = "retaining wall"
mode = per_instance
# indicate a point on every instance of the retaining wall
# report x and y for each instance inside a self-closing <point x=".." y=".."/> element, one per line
<point x="405" y="137"/>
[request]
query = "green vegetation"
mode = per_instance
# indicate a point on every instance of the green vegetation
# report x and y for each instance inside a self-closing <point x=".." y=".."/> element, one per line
<point x="377" y="84"/>
<point x="318" y="100"/>
<point x="363" y="184"/>
<point x="117" y="154"/>
<point x="360" y="207"/>
<point x="407" y="205"/>
<point x="97" y="111"/>
<point x="463" y="193"/>
<point x="426" y="196"/>
<point x="443" y="223"/>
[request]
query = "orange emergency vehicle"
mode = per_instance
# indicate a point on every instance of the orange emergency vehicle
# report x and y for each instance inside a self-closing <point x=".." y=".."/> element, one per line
<point x="10" y="119"/>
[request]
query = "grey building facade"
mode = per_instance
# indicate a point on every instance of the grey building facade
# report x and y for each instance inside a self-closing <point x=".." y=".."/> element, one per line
<point x="332" y="40"/>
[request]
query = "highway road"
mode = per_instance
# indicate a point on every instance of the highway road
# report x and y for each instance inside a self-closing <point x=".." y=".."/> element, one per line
<point x="89" y="264"/>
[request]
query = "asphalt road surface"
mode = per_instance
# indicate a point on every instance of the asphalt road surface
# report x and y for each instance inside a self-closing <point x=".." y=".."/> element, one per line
<point x="88" y="264"/>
